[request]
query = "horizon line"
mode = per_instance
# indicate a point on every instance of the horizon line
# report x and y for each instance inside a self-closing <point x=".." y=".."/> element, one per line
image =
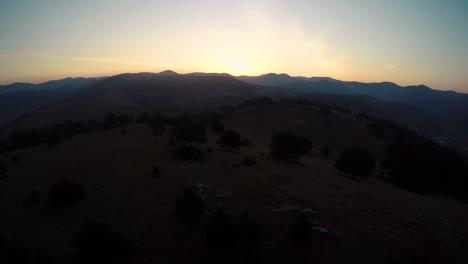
<point x="222" y="73"/>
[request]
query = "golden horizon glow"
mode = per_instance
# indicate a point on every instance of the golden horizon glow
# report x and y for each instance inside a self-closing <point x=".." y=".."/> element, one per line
<point x="349" y="40"/>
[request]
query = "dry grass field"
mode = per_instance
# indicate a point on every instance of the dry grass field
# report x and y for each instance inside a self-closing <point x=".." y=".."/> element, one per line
<point x="367" y="221"/>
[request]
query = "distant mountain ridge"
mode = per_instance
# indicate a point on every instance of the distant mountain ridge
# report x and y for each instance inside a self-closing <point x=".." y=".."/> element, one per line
<point x="432" y="111"/>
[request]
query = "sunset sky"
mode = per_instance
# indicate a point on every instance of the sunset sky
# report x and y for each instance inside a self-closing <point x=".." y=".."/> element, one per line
<point x="404" y="41"/>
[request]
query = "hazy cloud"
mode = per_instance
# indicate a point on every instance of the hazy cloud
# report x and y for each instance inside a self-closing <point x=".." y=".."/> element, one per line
<point x="389" y="66"/>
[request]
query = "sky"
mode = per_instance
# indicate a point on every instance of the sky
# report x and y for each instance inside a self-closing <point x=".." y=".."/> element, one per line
<point x="409" y="42"/>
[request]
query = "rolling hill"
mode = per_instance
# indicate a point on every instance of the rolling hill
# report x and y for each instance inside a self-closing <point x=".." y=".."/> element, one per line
<point x="353" y="221"/>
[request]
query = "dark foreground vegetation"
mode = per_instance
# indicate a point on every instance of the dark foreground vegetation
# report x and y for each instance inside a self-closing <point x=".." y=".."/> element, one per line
<point x="410" y="161"/>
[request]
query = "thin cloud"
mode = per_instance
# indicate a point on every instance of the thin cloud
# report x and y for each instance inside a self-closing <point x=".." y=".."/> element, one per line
<point x="389" y="66"/>
<point x="40" y="55"/>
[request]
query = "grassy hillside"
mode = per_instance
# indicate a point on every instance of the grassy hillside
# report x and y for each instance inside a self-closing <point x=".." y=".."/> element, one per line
<point x="368" y="221"/>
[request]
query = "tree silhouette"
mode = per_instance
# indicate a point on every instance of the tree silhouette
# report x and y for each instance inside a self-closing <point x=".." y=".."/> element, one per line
<point x="356" y="161"/>
<point x="287" y="146"/>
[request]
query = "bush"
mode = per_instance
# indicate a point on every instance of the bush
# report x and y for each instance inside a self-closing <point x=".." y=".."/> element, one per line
<point x="356" y="161"/>
<point x="286" y="146"/>
<point x="65" y="193"/>
<point x="300" y="230"/>
<point x="189" y="208"/>
<point x="250" y="161"/>
<point x="96" y="243"/>
<point x="230" y="139"/>
<point x="188" y="152"/>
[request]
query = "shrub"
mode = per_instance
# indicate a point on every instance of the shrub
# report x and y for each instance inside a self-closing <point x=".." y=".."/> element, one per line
<point x="230" y="139"/>
<point x="188" y="152"/>
<point x="300" y="230"/>
<point x="250" y="161"/>
<point x="356" y="161"/>
<point x="189" y="208"/>
<point x="65" y="193"/>
<point x="96" y="243"/>
<point x="286" y="146"/>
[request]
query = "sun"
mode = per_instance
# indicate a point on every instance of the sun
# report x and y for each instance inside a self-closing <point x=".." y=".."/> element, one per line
<point x="238" y="66"/>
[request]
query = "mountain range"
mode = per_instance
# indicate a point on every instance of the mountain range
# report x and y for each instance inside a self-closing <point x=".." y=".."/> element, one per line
<point x="435" y="113"/>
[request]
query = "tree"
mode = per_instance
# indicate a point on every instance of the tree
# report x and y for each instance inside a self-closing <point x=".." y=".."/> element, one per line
<point x="188" y="152"/>
<point x="356" y="161"/>
<point x="189" y="208"/>
<point x="287" y="146"/>
<point x="65" y="193"/>
<point x="230" y="139"/>
<point x="96" y="243"/>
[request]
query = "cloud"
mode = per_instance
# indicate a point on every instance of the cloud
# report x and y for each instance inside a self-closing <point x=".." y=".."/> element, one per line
<point x="389" y="66"/>
<point x="41" y="55"/>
